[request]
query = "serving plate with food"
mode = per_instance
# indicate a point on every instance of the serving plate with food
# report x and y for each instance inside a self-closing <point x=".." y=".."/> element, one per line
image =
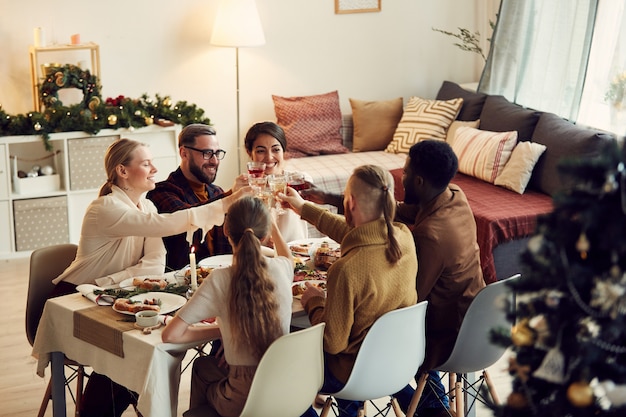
<point x="183" y="277"/>
<point x="320" y="252"/>
<point x="298" y="288"/>
<point x="148" y="282"/>
<point x="162" y="302"/>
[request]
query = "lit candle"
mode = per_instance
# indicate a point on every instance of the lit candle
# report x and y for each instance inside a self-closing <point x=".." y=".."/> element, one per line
<point x="192" y="270"/>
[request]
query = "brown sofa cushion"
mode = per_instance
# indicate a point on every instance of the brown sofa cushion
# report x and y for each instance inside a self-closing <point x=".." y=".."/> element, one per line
<point x="472" y="102"/>
<point x="563" y="139"/>
<point x="375" y="123"/>
<point x="500" y="115"/>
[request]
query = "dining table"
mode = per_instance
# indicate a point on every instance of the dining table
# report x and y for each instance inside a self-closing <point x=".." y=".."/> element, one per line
<point x="75" y="327"/>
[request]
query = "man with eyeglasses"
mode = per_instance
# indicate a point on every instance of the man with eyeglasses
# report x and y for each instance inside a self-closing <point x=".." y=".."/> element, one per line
<point x="192" y="185"/>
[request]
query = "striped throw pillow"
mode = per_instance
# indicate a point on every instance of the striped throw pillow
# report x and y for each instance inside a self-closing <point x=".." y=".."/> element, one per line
<point x="423" y="119"/>
<point x="482" y="153"/>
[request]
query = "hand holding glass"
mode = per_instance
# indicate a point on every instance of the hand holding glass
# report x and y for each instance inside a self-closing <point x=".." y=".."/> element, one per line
<point x="278" y="184"/>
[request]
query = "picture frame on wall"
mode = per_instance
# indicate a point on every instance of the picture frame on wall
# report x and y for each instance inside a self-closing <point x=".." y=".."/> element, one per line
<point x="356" y="6"/>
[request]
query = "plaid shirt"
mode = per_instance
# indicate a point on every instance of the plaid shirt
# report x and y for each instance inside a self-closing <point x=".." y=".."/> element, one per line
<point x="175" y="194"/>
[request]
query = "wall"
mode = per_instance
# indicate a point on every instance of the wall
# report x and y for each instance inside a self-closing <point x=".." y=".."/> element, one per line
<point x="156" y="46"/>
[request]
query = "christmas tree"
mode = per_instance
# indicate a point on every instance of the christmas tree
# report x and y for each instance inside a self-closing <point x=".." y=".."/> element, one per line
<point x="569" y="333"/>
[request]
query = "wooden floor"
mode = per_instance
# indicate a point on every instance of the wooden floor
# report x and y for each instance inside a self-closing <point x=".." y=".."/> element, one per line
<point x="21" y="390"/>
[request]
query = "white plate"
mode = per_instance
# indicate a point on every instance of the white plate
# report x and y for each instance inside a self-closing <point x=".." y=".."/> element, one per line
<point x="217" y="261"/>
<point x="127" y="284"/>
<point x="169" y="302"/>
<point x="315" y="283"/>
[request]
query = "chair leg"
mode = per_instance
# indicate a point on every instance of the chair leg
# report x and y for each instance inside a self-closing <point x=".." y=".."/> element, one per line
<point x="421" y="384"/>
<point x="492" y="388"/>
<point x="452" y="392"/>
<point x="46" y="400"/>
<point x="396" y="407"/>
<point x="327" y="406"/>
<point x="80" y="382"/>
<point x="458" y="394"/>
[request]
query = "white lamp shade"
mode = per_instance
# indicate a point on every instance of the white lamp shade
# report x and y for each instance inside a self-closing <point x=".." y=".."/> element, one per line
<point x="237" y="24"/>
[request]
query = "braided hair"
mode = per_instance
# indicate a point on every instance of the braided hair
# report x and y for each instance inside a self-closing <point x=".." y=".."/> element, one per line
<point x="376" y="194"/>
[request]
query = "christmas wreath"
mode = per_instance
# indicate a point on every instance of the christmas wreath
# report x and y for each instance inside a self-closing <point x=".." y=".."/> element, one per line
<point x="70" y="76"/>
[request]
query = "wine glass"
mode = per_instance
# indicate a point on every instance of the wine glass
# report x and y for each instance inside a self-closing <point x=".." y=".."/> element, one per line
<point x="278" y="184"/>
<point x="256" y="176"/>
<point x="296" y="181"/>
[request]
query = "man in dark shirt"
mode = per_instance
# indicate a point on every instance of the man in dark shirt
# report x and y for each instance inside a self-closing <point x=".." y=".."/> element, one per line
<point x="192" y="185"/>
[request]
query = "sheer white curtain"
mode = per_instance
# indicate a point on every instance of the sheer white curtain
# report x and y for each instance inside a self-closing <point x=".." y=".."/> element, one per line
<point x="539" y="53"/>
<point x="607" y="62"/>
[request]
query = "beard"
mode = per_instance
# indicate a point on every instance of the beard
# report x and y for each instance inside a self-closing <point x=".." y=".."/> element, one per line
<point x="410" y="197"/>
<point x="201" y="175"/>
<point x="348" y="215"/>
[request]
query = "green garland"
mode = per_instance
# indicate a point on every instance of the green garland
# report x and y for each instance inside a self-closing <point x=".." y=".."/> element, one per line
<point x="130" y="114"/>
<point x="69" y="76"/>
<point x="92" y="114"/>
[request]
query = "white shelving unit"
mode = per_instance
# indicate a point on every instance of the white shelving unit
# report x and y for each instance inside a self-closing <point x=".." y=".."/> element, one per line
<point x="38" y="213"/>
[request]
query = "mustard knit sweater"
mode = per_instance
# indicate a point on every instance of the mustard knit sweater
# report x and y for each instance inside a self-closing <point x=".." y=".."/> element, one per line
<point x="362" y="284"/>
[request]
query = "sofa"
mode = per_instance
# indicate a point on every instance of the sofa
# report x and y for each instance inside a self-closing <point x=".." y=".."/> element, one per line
<point x="508" y="156"/>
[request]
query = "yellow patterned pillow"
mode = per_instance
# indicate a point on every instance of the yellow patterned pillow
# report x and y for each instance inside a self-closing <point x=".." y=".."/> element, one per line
<point x="423" y="119"/>
<point x="482" y="153"/>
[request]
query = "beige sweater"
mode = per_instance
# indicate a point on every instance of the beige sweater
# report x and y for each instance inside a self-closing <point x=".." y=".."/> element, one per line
<point x="119" y="240"/>
<point x="362" y="284"/>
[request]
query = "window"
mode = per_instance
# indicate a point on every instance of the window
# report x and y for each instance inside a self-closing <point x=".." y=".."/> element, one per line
<point x="606" y="66"/>
<point x="562" y="56"/>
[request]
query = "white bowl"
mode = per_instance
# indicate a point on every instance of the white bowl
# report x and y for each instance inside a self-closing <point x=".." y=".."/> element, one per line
<point x="147" y="318"/>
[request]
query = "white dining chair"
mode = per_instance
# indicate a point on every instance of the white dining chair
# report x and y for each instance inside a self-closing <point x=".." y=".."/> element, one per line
<point x="388" y="359"/>
<point x="473" y="350"/>
<point x="287" y="379"/>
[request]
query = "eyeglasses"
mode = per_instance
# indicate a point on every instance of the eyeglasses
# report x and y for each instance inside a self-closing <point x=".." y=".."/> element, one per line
<point x="208" y="153"/>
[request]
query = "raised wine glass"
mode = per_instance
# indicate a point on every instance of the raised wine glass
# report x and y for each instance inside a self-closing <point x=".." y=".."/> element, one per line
<point x="278" y="184"/>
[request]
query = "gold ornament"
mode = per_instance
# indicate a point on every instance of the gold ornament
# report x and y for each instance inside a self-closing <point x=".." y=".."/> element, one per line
<point x="583" y="245"/>
<point x="580" y="394"/>
<point x="522" y="335"/>
<point x="517" y="400"/>
<point x="522" y="371"/>
<point x="148" y="121"/>
<point x="112" y="119"/>
<point x="167" y="101"/>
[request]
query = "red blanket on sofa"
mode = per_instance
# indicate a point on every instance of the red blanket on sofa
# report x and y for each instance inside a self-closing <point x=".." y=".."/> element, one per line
<point x="501" y="215"/>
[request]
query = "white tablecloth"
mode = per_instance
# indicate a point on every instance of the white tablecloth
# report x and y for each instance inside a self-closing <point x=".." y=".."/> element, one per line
<point x="149" y="367"/>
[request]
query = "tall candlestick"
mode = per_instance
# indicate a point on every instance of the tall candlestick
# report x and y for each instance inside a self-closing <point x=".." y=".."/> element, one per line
<point x="192" y="270"/>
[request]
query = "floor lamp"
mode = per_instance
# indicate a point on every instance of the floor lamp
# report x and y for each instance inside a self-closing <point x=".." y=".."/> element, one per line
<point x="237" y="24"/>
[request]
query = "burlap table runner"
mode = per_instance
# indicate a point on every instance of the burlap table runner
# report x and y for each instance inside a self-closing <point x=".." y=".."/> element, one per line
<point x="103" y="327"/>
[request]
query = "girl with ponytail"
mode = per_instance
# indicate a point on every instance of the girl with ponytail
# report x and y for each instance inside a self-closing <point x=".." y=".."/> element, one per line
<point x="252" y="302"/>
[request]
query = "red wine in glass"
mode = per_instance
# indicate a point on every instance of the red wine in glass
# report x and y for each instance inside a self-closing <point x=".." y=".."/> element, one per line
<point x="297" y="182"/>
<point x="299" y="185"/>
<point x="256" y="172"/>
